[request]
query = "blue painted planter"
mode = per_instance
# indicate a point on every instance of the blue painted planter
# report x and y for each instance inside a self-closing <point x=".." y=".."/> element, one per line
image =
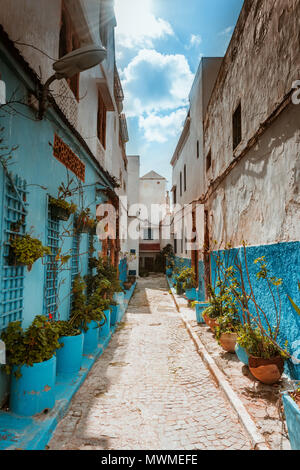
<point x="241" y="354"/>
<point x="114" y="315"/>
<point x="292" y="415"/>
<point x="90" y="342"/>
<point x="69" y="357"/>
<point x="169" y="272"/>
<point x="191" y="294"/>
<point x="34" y="391"/>
<point x="104" y="331"/>
<point x="119" y="297"/>
<point x="200" y="307"/>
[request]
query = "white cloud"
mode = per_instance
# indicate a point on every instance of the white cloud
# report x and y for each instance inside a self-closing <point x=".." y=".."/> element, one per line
<point x="195" y="41"/>
<point x="156" y="82"/>
<point x="161" y="128"/>
<point x="137" y="25"/>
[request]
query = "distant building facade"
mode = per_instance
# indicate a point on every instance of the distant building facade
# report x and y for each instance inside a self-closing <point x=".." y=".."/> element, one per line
<point x="153" y="216"/>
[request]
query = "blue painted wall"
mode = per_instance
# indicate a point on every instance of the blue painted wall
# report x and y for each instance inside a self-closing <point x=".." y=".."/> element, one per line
<point x="187" y="263"/>
<point x="283" y="262"/>
<point x="34" y="162"/>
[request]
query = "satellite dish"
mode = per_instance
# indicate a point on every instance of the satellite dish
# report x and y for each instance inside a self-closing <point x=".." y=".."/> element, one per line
<point x="79" y="60"/>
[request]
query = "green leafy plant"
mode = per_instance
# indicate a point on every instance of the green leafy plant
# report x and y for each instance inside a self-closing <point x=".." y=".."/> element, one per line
<point x="70" y="207"/>
<point x="228" y="323"/>
<point x="65" y="328"/>
<point x="26" y="250"/>
<point x="36" y="344"/>
<point x="259" y="335"/>
<point x="84" y="311"/>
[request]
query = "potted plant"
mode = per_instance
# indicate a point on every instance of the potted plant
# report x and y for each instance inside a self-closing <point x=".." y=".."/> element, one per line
<point x="199" y="307"/>
<point x="84" y="222"/>
<point x="115" y="312"/>
<point x="189" y="283"/>
<point x="61" y="209"/>
<point x="25" y="251"/>
<point x="31" y="362"/>
<point x="86" y="316"/>
<point x="259" y="335"/>
<point x="291" y="403"/>
<point x="227" y="330"/>
<point x="69" y="355"/>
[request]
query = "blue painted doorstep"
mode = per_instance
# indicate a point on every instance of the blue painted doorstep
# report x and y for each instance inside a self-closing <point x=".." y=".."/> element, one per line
<point x="33" y="433"/>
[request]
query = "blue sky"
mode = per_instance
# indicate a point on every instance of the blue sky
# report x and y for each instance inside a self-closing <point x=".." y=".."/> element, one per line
<point x="159" y="44"/>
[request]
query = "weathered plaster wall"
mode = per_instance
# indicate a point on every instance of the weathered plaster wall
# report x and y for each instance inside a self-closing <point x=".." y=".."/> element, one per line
<point x="259" y="200"/>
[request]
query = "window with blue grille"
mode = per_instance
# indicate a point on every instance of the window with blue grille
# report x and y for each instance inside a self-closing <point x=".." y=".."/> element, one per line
<point x="75" y="267"/>
<point x="51" y="281"/>
<point x="12" y="277"/>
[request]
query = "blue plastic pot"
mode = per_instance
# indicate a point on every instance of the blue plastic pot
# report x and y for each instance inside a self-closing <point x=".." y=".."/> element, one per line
<point x="69" y="357"/>
<point x="34" y="391"/>
<point x="90" y="342"/>
<point x="241" y="354"/>
<point x="104" y="330"/>
<point x="119" y="297"/>
<point x="114" y="315"/>
<point x="191" y="294"/>
<point x="292" y="416"/>
<point x="200" y="307"/>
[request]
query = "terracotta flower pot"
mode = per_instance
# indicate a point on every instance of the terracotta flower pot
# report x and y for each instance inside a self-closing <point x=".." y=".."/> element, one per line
<point x="211" y="322"/>
<point x="267" y="371"/>
<point x="228" y="341"/>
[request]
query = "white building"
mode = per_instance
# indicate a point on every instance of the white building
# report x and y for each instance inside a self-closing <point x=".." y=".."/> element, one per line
<point x="133" y="196"/>
<point x="188" y="172"/>
<point x="154" y="214"/>
<point x="91" y="101"/>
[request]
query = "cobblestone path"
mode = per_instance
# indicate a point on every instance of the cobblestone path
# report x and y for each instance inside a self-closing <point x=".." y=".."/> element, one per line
<point x="150" y="389"/>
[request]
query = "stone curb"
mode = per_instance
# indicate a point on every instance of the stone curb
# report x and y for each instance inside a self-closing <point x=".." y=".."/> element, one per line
<point x="245" y="419"/>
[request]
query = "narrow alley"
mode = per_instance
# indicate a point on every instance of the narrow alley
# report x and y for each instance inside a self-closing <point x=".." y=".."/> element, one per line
<point x="150" y="388"/>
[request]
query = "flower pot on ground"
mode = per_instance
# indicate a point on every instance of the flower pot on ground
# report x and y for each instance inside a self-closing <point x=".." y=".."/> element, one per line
<point x="291" y="403"/>
<point x="227" y="328"/>
<point x="169" y="272"/>
<point x="61" y="209"/>
<point x="200" y="307"/>
<point x="228" y="341"/>
<point x="266" y="358"/>
<point x="267" y="371"/>
<point x="32" y="363"/>
<point x="33" y="392"/>
<point x="87" y="314"/>
<point x="191" y="294"/>
<point x="114" y="315"/>
<point x="69" y="356"/>
<point x="127" y="285"/>
<point x="242" y="354"/>
<point x="104" y="330"/>
<point x="119" y="297"/>
<point x="90" y="335"/>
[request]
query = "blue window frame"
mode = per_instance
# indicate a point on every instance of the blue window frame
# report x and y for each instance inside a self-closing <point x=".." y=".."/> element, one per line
<point x="12" y="277"/>
<point x="51" y="275"/>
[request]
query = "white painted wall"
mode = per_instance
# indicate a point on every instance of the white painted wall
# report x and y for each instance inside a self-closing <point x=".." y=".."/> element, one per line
<point x="133" y="199"/>
<point x="187" y="154"/>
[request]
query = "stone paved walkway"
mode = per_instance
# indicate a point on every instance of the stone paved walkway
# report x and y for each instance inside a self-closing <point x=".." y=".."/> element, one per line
<point x="150" y="389"/>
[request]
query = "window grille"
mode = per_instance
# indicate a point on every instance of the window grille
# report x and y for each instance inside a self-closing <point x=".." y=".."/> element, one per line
<point x="75" y="255"/>
<point x="51" y="281"/>
<point x="12" y="277"/>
